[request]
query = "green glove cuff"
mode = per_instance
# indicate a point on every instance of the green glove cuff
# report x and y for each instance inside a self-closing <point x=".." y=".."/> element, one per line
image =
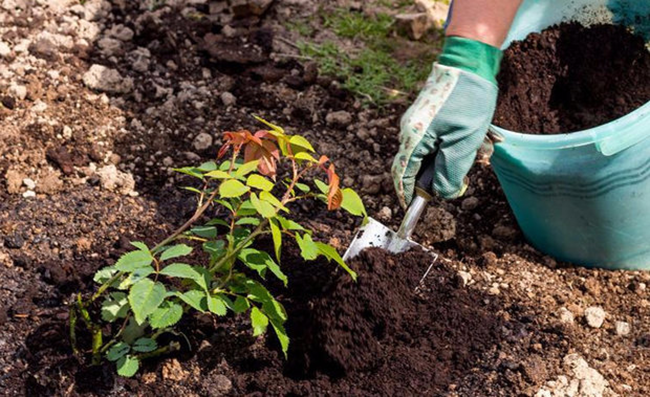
<point x="472" y="56"/>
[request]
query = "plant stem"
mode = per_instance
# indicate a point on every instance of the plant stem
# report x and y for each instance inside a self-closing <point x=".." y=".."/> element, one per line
<point x="235" y="251"/>
<point x="73" y="329"/>
<point x="95" y="330"/>
<point x="172" y="347"/>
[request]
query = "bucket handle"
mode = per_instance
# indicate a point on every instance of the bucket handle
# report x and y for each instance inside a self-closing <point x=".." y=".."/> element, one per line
<point x="621" y="141"/>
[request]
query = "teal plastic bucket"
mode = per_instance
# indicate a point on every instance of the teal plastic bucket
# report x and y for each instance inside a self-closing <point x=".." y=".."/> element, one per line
<point x="582" y="197"/>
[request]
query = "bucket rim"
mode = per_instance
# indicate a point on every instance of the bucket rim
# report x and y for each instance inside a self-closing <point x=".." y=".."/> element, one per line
<point x="620" y="127"/>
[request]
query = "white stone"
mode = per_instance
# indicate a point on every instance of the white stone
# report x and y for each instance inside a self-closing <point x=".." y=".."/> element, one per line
<point x="29" y="183"/>
<point x="67" y="132"/>
<point x="114" y="180"/>
<point x="29" y="193"/>
<point x="101" y="78"/>
<point x="5" y="50"/>
<point x="465" y="276"/>
<point x="202" y="141"/>
<point x="622" y="328"/>
<point x="595" y="316"/>
<point x="39" y="106"/>
<point x="591" y="382"/>
<point x="18" y="91"/>
<point x="228" y="99"/>
<point x="566" y="316"/>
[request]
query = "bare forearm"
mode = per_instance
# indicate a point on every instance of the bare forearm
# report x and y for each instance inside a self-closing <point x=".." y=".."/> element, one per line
<point x="484" y="21"/>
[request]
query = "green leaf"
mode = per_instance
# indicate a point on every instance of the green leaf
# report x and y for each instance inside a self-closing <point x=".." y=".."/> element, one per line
<point x="240" y="305"/>
<point x="133" y="260"/>
<point x="166" y="315"/>
<point x="104" y="274"/>
<point x="225" y="204"/>
<point x="258" y="293"/>
<point x="134" y="277"/>
<point x="273" y="127"/>
<point x="281" y="333"/>
<point x="183" y="270"/>
<point x="246" y="208"/>
<point x="352" y="203"/>
<point x="191" y="189"/>
<point x="145" y="345"/>
<point x="117" y="351"/>
<point x="322" y="186"/>
<point x="308" y="248"/>
<point x="116" y="305"/>
<point x="145" y="296"/>
<point x="298" y="140"/>
<point x="264" y="208"/>
<point x="195" y="299"/>
<point x="127" y="366"/>
<point x="259" y="321"/>
<point x="232" y="188"/>
<point x="140" y="245"/>
<point x="260" y="260"/>
<point x="216" y="305"/>
<point x="217" y="221"/>
<point x="331" y="254"/>
<point x="207" y="166"/>
<point x="267" y="196"/>
<point x="133" y="331"/>
<point x="191" y="171"/>
<point x="277" y="237"/>
<point x="246" y="168"/>
<point x="302" y="187"/>
<point x="175" y="251"/>
<point x="306" y="157"/>
<point x="248" y="221"/>
<point x="216" y="249"/>
<point x="205" y="231"/>
<point x="288" y="224"/>
<point x="259" y="182"/>
<point x="218" y="174"/>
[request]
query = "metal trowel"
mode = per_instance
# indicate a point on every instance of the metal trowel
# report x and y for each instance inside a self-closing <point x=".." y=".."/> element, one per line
<point x="375" y="234"/>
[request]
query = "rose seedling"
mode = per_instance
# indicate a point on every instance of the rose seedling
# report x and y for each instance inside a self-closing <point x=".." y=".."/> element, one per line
<point x="148" y="290"/>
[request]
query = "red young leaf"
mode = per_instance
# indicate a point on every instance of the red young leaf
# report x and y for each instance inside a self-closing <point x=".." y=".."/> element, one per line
<point x="267" y="153"/>
<point x="234" y="139"/>
<point x="335" y="196"/>
<point x="323" y="160"/>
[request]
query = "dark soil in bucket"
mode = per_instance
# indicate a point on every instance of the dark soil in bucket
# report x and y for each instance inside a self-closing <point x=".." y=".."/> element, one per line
<point x="570" y="78"/>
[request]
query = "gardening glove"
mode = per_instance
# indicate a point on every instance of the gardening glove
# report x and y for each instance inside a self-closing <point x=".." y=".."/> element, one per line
<point x="447" y="124"/>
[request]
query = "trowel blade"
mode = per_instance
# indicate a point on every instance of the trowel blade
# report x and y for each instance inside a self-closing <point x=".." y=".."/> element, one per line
<point x="375" y="234"/>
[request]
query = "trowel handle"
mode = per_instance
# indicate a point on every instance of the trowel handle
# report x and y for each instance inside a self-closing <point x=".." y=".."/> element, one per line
<point x="425" y="178"/>
<point x="422" y="197"/>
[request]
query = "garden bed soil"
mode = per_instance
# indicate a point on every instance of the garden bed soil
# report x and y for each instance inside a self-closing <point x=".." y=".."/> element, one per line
<point x="494" y="318"/>
<point x="570" y="78"/>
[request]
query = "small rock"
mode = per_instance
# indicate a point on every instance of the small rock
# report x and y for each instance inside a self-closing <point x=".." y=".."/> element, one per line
<point x="228" y="99"/>
<point x="414" y="24"/>
<point x="173" y="370"/>
<point x="140" y="59"/>
<point x="14" y="180"/>
<point x="39" y="106"/>
<point x="114" y="180"/>
<point x="595" y="316"/>
<point x="5" y="50"/>
<point x="469" y="204"/>
<point x="14" y="241"/>
<point x="591" y="382"/>
<point x="341" y="118"/>
<point x="101" y="78"/>
<point x="385" y="214"/>
<point x="168" y="161"/>
<point x="202" y="141"/>
<point x="29" y="183"/>
<point x="8" y="102"/>
<point x="371" y="184"/>
<point x="622" y="328"/>
<point x="29" y="194"/>
<point x="437" y="225"/>
<point x="61" y="157"/>
<point x="49" y="184"/>
<point x="192" y="157"/>
<point x="18" y="91"/>
<point x="44" y="49"/>
<point x="217" y="385"/>
<point x="121" y="32"/>
<point x="466" y="277"/>
<point x="566" y="317"/>
<point x="6" y="260"/>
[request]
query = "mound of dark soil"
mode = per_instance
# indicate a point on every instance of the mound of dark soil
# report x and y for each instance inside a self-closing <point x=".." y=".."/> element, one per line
<point x="379" y="335"/>
<point x="570" y="77"/>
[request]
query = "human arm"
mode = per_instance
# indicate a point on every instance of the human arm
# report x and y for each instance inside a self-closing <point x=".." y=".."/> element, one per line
<point x="448" y="122"/>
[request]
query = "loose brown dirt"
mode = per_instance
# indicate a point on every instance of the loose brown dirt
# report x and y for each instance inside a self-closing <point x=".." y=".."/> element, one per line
<point x="493" y="318"/>
<point x="570" y="78"/>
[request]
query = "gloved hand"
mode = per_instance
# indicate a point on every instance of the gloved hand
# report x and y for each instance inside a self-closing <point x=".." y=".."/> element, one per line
<point x="449" y="120"/>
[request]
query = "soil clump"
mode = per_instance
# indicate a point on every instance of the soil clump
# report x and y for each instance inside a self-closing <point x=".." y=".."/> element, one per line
<point x="570" y="78"/>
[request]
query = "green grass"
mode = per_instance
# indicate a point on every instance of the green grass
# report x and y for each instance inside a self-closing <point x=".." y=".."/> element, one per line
<point x="372" y="73"/>
<point x="300" y="26"/>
